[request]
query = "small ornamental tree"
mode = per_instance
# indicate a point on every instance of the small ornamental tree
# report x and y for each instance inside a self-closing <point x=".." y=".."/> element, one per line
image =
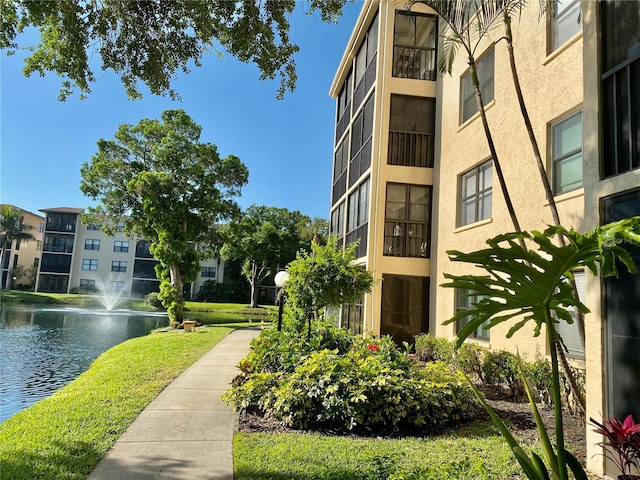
<point x="328" y="276"/>
<point x="168" y="188"/>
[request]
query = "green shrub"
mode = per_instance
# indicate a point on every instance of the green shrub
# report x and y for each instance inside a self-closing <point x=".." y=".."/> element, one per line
<point x="373" y="387"/>
<point x="430" y="348"/>
<point x="470" y="358"/>
<point x="152" y="299"/>
<point x="501" y="368"/>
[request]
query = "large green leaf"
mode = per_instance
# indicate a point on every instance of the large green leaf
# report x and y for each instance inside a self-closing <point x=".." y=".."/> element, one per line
<point x="528" y="282"/>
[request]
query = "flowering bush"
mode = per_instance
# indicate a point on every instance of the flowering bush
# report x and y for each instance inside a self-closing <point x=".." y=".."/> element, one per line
<point x="374" y="386"/>
<point x="623" y="441"/>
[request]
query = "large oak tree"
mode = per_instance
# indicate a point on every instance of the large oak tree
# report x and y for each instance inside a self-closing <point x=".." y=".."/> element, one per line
<point x="148" y="41"/>
<point x="169" y="189"/>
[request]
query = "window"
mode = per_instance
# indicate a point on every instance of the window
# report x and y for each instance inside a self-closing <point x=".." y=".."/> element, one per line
<point x="90" y="244"/>
<point x="61" y="222"/>
<point x="566" y="152"/>
<point x="412" y="128"/>
<point x="565" y="22"/>
<point x="18" y="241"/>
<point x="93" y="226"/>
<point x="36" y="262"/>
<point x="358" y="218"/>
<point x="570" y="333"/>
<point x="15" y="261"/>
<point x="120" y="226"/>
<point x="405" y="307"/>
<point x="367" y="52"/>
<point x="88" y="264"/>
<point x="38" y="244"/>
<point x="475" y="194"/>
<point x="209" y="272"/>
<point x="86" y="283"/>
<point x="620" y="94"/>
<point x="117" y="266"/>
<point x="358" y="206"/>
<point x="116" y="286"/>
<point x="352" y="316"/>
<point x="337" y="221"/>
<point x="121" y="246"/>
<point x="340" y="163"/>
<point x="465" y="301"/>
<point x="361" y="132"/>
<point x="407" y="220"/>
<point x="414" y="46"/>
<point x="362" y="128"/>
<point x="41" y="227"/>
<point x="484" y="69"/>
<point x="344" y="99"/>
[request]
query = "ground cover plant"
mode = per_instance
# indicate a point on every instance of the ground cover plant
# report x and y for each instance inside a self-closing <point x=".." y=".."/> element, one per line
<point x="65" y="435"/>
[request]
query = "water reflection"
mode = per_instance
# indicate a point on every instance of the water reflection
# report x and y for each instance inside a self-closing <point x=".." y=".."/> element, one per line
<point x="44" y="348"/>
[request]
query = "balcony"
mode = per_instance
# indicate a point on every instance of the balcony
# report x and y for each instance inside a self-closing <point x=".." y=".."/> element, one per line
<point x="414" y="62"/>
<point x="411" y="149"/>
<point x="406" y="239"/>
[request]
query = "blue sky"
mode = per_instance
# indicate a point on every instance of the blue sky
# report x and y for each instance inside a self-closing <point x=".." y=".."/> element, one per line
<point x="285" y="144"/>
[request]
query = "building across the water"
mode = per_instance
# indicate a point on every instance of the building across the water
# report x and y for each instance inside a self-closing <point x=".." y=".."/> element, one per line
<point x="20" y="260"/>
<point x="78" y="257"/>
<point x="413" y="176"/>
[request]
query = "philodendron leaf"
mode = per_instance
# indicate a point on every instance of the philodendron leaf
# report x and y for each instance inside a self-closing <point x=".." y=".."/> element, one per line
<point x="526" y="283"/>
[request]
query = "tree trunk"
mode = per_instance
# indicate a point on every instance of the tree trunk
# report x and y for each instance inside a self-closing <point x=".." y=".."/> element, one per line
<point x="254" y="287"/>
<point x="492" y="148"/>
<point x="178" y="285"/>
<point x="550" y="198"/>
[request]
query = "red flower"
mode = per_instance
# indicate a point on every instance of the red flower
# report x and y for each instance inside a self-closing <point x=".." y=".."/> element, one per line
<point x="373" y="347"/>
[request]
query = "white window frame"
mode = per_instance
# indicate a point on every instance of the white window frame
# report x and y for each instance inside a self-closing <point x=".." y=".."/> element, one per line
<point x="559" y="159"/>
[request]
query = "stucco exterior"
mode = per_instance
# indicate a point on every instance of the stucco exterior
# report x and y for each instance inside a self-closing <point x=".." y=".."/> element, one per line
<point x="566" y="85"/>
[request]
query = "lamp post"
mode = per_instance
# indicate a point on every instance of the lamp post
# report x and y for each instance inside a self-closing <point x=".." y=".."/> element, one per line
<point x="281" y="279"/>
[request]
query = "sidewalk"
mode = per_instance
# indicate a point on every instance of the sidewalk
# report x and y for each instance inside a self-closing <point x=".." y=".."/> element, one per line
<point x="186" y="432"/>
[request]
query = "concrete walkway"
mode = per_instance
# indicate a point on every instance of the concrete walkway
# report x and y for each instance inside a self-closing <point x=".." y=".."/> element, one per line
<point x="186" y="432"/>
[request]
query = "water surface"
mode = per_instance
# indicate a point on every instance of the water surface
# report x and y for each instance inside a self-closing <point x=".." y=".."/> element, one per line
<point x="43" y="348"/>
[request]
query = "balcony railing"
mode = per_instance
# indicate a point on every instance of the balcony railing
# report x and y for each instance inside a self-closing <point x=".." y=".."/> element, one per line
<point x="411" y="149"/>
<point x="414" y="62"/>
<point x="406" y="239"/>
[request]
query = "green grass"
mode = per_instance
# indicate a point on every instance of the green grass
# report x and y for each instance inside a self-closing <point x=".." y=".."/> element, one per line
<point x="475" y="451"/>
<point x="65" y="435"/>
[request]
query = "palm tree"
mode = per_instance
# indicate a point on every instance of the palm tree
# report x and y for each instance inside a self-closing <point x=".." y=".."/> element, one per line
<point x="466" y="22"/>
<point x="465" y="27"/>
<point x="12" y="227"/>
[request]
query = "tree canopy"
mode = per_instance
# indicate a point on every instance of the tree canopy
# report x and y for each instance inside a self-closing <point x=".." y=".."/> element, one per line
<point x="148" y="41"/>
<point x="168" y="188"/>
<point x="12" y="227"/>
<point x="266" y="238"/>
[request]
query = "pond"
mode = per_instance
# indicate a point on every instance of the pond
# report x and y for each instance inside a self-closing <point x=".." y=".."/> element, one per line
<point x="45" y="347"/>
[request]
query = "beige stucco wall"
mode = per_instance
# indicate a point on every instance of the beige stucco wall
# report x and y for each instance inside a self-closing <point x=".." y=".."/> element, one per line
<point x="552" y="87"/>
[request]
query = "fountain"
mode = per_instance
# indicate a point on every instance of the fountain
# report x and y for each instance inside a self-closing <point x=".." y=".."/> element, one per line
<point x="110" y="297"/>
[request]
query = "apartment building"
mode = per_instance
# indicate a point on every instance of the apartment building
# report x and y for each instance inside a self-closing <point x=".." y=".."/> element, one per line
<point x="77" y="256"/>
<point x="413" y="176"/>
<point x="21" y="258"/>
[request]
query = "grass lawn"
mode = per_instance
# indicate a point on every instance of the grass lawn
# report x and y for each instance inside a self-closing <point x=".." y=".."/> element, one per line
<point x="65" y="435"/>
<point x="209" y="312"/>
<point x="474" y="452"/>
